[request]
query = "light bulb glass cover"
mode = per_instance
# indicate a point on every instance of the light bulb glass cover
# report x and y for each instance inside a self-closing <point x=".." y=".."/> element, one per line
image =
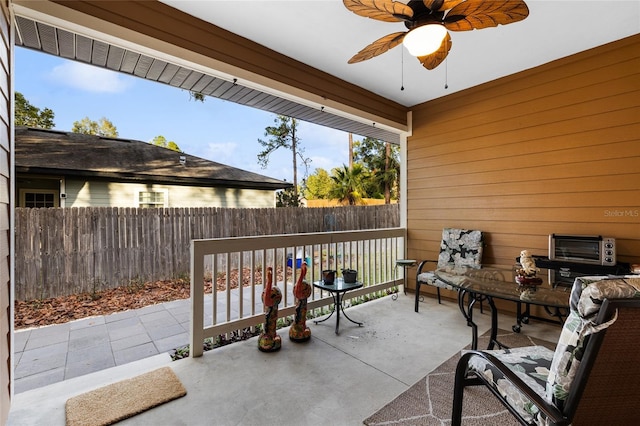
<point x="424" y="40"/>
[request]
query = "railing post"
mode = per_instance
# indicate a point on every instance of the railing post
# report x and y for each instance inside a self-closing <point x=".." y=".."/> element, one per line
<point x="197" y="301"/>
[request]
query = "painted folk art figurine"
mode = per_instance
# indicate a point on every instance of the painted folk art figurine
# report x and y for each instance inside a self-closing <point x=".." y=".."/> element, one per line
<point x="269" y="340"/>
<point x="299" y="332"/>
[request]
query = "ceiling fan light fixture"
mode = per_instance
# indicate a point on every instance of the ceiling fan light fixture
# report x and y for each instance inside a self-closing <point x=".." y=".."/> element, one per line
<point x="424" y="40"/>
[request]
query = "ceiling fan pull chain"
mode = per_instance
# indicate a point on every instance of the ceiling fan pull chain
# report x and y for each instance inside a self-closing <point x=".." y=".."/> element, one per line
<point x="401" y="70"/>
<point x="446" y="68"/>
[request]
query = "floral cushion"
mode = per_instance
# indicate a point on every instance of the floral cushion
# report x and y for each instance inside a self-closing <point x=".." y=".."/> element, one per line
<point x="587" y="295"/>
<point x="458" y="248"/>
<point x="550" y="373"/>
<point x="531" y="364"/>
<point x="431" y="279"/>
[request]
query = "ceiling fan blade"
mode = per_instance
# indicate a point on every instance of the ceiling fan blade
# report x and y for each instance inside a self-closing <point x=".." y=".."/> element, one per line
<point x="382" y="10"/>
<point x="478" y="14"/>
<point x="378" y="47"/>
<point x="441" y="5"/>
<point x="436" y="58"/>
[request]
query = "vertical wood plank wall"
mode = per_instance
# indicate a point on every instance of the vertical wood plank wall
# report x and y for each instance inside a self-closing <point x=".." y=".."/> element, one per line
<point x="6" y="313"/>
<point x="554" y="149"/>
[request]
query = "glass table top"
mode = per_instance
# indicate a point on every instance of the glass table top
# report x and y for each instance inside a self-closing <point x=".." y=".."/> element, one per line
<point x="337" y="285"/>
<point x="500" y="284"/>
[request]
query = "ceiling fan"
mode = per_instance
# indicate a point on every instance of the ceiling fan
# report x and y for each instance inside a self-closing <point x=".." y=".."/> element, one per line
<point x="429" y="23"/>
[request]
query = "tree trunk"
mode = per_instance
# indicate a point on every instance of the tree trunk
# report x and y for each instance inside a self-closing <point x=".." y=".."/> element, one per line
<point x="350" y="150"/>
<point x="387" y="158"/>
<point x="295" y="160"/>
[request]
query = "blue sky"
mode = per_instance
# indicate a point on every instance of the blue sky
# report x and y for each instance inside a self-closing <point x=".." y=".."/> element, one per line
<point x="216" y="130"/>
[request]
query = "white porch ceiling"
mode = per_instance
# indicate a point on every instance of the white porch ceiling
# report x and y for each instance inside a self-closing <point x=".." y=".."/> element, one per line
<point x="324" y="34"/>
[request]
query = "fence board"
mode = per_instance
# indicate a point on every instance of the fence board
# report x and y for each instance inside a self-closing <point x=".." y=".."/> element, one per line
<point x="63" y="251"/>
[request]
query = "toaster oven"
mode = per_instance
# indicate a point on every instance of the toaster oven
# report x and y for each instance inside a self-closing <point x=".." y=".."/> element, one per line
<point x="590" y="249"/>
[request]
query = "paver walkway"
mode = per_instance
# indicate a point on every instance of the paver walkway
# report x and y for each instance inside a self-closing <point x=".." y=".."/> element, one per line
<point x="55" y="353"/>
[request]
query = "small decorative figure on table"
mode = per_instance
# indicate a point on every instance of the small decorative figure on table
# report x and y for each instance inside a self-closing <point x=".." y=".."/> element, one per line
<point x="526" y="276"/>
<point x="299" y="332"/>
<point x="269" y="340"/>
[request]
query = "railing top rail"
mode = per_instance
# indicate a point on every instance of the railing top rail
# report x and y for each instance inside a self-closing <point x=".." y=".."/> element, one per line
<point x="236" y="244"/>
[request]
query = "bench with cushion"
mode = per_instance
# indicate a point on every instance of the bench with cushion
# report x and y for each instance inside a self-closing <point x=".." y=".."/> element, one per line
<point x="458" y="248"/>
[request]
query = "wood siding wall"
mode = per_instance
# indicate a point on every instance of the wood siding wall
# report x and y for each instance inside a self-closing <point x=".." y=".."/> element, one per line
<point x="76" y="250"/>
<point x="6" y="312"/>
<point x="554" y="149"/>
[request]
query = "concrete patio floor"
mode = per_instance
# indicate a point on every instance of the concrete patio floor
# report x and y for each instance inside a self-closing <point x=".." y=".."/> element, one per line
<point x="332" y="379"/>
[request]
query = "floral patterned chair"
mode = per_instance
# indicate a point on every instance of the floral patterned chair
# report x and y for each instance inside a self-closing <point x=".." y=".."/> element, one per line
<point x="592" y="378"/>
<point x="459" y="248"/>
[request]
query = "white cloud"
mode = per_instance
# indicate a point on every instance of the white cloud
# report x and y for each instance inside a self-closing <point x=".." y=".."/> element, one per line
<point x="90" y="78"/>
<point x="224" y="153"/>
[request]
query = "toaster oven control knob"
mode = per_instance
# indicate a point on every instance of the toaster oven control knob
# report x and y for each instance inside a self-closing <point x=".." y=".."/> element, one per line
<point x="608" y="245"/>
<point x="608" y="259"/>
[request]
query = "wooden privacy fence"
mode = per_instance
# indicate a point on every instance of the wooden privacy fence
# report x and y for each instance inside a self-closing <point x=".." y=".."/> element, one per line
<point x="63" y="251"/>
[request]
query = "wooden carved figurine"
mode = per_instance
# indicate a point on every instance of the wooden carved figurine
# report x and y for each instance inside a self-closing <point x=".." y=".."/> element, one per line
<point x="269" y="340"/>
<point x="299" y="332"/>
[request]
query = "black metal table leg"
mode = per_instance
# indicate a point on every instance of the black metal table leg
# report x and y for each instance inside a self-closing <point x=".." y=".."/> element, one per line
<point x="337" y="307"/>
<point x="521" y="317"/>
<point x="330" y="315"/>
<point x="493" y="339"/>
<point x="360" y="324"/>
<point x="467" y="312"/>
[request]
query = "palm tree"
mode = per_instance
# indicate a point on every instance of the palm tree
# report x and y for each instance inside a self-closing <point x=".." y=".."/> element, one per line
<point x="348" y="184"/>
<point x="381" y="158"/>
<point x="386" y="172"/>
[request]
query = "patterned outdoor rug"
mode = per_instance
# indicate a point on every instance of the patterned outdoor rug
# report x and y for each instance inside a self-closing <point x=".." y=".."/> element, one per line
<point x="121" y="400"/>
<point x="429" y="401"/>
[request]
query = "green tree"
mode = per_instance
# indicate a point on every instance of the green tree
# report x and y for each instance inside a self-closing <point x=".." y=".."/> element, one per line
<point x="31" y="116"/>
<point x="348" y="184"/>
<point x="283" y="135"/>
<point x="382" y="160"/>
<point x="318" y="185"/>
<point x="162" y="141"/>
<point x="103" y="127"/>
<point x="288" y="198"/>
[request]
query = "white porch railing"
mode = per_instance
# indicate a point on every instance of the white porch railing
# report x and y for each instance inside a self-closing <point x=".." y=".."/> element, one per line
<point x="372" y="253"/>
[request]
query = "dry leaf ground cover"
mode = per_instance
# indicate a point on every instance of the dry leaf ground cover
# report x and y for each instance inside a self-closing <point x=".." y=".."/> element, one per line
<point x="58" y="310"/>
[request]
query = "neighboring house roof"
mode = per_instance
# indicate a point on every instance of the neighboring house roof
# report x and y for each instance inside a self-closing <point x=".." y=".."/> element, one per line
<point x="42" y="151"/>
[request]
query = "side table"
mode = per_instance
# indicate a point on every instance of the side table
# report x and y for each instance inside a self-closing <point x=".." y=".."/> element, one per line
<point x="337" y="289"/>
<point x="404" y="263"/>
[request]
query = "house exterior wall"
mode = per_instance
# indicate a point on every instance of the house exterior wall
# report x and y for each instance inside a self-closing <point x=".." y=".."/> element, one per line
<point x="554" y="149"/>
<point x="6" y="240"/>
<point x="80" y="193"/>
